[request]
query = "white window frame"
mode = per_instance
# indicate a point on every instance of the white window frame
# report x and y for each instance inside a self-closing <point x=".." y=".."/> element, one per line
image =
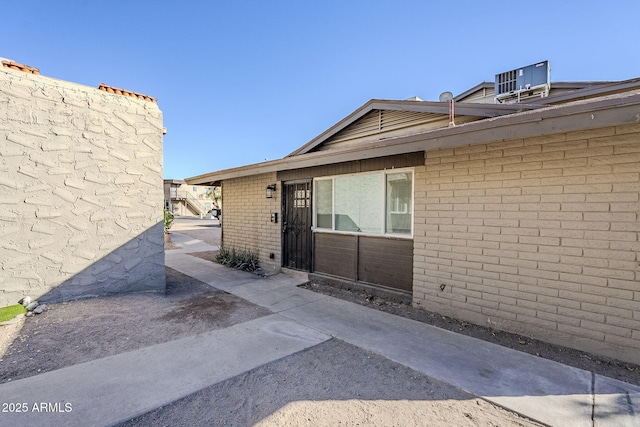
<point x="383" y="177"/>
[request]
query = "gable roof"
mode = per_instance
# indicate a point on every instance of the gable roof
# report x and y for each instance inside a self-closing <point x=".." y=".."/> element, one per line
<point x="435" y="110"/>
<point x="591" y="113"/>
<point x="362" y="126"/>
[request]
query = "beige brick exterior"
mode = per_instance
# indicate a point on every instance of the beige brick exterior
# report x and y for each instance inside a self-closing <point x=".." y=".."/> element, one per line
<point x="80" y="191"/>
<point x="536" y="236"/>
<point x="247" y="218"/>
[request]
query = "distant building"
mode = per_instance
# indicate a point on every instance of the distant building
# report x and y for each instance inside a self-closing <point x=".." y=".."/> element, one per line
<point x="190" y="200"/>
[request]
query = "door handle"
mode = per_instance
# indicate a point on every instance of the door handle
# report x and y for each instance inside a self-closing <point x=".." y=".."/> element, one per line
<point x="284" y="227"/>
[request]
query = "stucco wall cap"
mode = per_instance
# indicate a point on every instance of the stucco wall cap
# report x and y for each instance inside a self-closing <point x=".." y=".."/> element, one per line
<point x="20" y="67"/>
<point x="118" y="91"/>
<point x="11" y="64"/>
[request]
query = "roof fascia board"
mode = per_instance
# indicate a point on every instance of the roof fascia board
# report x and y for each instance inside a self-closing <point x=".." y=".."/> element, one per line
<point x="483" y="85"/>
<point x="590" y="91"/>
<point x="465" y="109"/>
<point x="590" y="88"/>
<point x="334" y="129"/>
<point x="491" y="85"/>
<point x="527" y="125"/>
<point x="552" y="120"/>
<point x="579" y="85"/>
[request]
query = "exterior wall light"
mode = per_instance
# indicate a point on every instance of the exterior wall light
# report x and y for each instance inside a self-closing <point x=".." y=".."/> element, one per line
<point x="270" y="189"/>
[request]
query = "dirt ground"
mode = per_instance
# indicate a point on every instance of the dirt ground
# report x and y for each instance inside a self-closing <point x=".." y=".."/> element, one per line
<point x="79" y="331"/>
<point x="331" y="384"/>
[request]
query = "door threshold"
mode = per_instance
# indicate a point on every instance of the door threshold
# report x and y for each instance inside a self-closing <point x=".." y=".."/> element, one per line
<point x="298" y="274"/>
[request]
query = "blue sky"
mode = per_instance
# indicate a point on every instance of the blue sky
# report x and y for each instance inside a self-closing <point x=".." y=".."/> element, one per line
<point x="243" y="81"/>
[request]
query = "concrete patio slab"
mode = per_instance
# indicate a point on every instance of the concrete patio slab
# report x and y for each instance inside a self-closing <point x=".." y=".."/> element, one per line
<point x="276" y="299"/>
<point x="541" y="389"/>
<point x="616" y="404"/>
<point x="117" y="388"/>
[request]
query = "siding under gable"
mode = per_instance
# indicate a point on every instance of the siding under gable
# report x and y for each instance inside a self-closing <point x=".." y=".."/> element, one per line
<point x="482" y="95"/>
<point x="384" y="124"/>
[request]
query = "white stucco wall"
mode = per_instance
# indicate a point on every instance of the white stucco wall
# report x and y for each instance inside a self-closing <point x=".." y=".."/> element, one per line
<point x="80" y="190"/>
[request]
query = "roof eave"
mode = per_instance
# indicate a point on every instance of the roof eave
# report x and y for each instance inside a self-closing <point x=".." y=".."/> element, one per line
<point x="590" y="90"/>
<point x="483" y="85"/>
<point x="610" y="111"/>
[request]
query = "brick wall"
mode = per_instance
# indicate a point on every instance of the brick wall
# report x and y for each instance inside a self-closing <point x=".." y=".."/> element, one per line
<point x="246" y="217"/>
<point x="536" y="236"/>
<point x="80" y="190"/>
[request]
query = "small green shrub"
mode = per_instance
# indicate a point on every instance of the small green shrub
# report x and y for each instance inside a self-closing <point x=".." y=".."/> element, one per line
<point x="168" y="220"/>
<point x="238" y="259"/>
<point x="8" y="313"/>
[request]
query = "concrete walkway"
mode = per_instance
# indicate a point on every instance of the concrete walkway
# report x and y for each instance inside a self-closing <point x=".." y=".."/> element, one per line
<point x="111" y="390"/>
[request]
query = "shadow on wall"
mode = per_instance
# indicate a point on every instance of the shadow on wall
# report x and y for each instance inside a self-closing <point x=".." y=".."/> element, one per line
<point x="136" y="266"/>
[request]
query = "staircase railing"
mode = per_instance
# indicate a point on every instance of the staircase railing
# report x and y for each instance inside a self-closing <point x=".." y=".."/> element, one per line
<point x="191" y="200"/>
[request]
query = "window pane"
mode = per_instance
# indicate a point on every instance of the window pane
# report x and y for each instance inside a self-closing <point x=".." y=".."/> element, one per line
<point x="399" y="202"/>
<point x="301" y="199"/>
<point x="324" y="201"/>
<point x="358" y="201"/>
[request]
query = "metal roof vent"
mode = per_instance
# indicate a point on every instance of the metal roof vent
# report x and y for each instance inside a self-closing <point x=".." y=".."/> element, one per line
<point x="526" y="82"/>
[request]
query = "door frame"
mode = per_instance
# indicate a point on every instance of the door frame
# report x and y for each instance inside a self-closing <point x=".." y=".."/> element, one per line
<point x="287" y="208"/>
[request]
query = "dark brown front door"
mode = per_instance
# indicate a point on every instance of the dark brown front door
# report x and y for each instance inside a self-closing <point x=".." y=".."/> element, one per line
<point x="296" y="225"/>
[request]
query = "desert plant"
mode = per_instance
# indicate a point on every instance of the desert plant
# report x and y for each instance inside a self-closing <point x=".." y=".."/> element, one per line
<point x="239" y="259"/>
<point x="168" y="220"/>
<point x="215" y="194"/>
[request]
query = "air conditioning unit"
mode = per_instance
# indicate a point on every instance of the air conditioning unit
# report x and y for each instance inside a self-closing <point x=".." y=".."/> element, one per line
<point x="525" y="82"/>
